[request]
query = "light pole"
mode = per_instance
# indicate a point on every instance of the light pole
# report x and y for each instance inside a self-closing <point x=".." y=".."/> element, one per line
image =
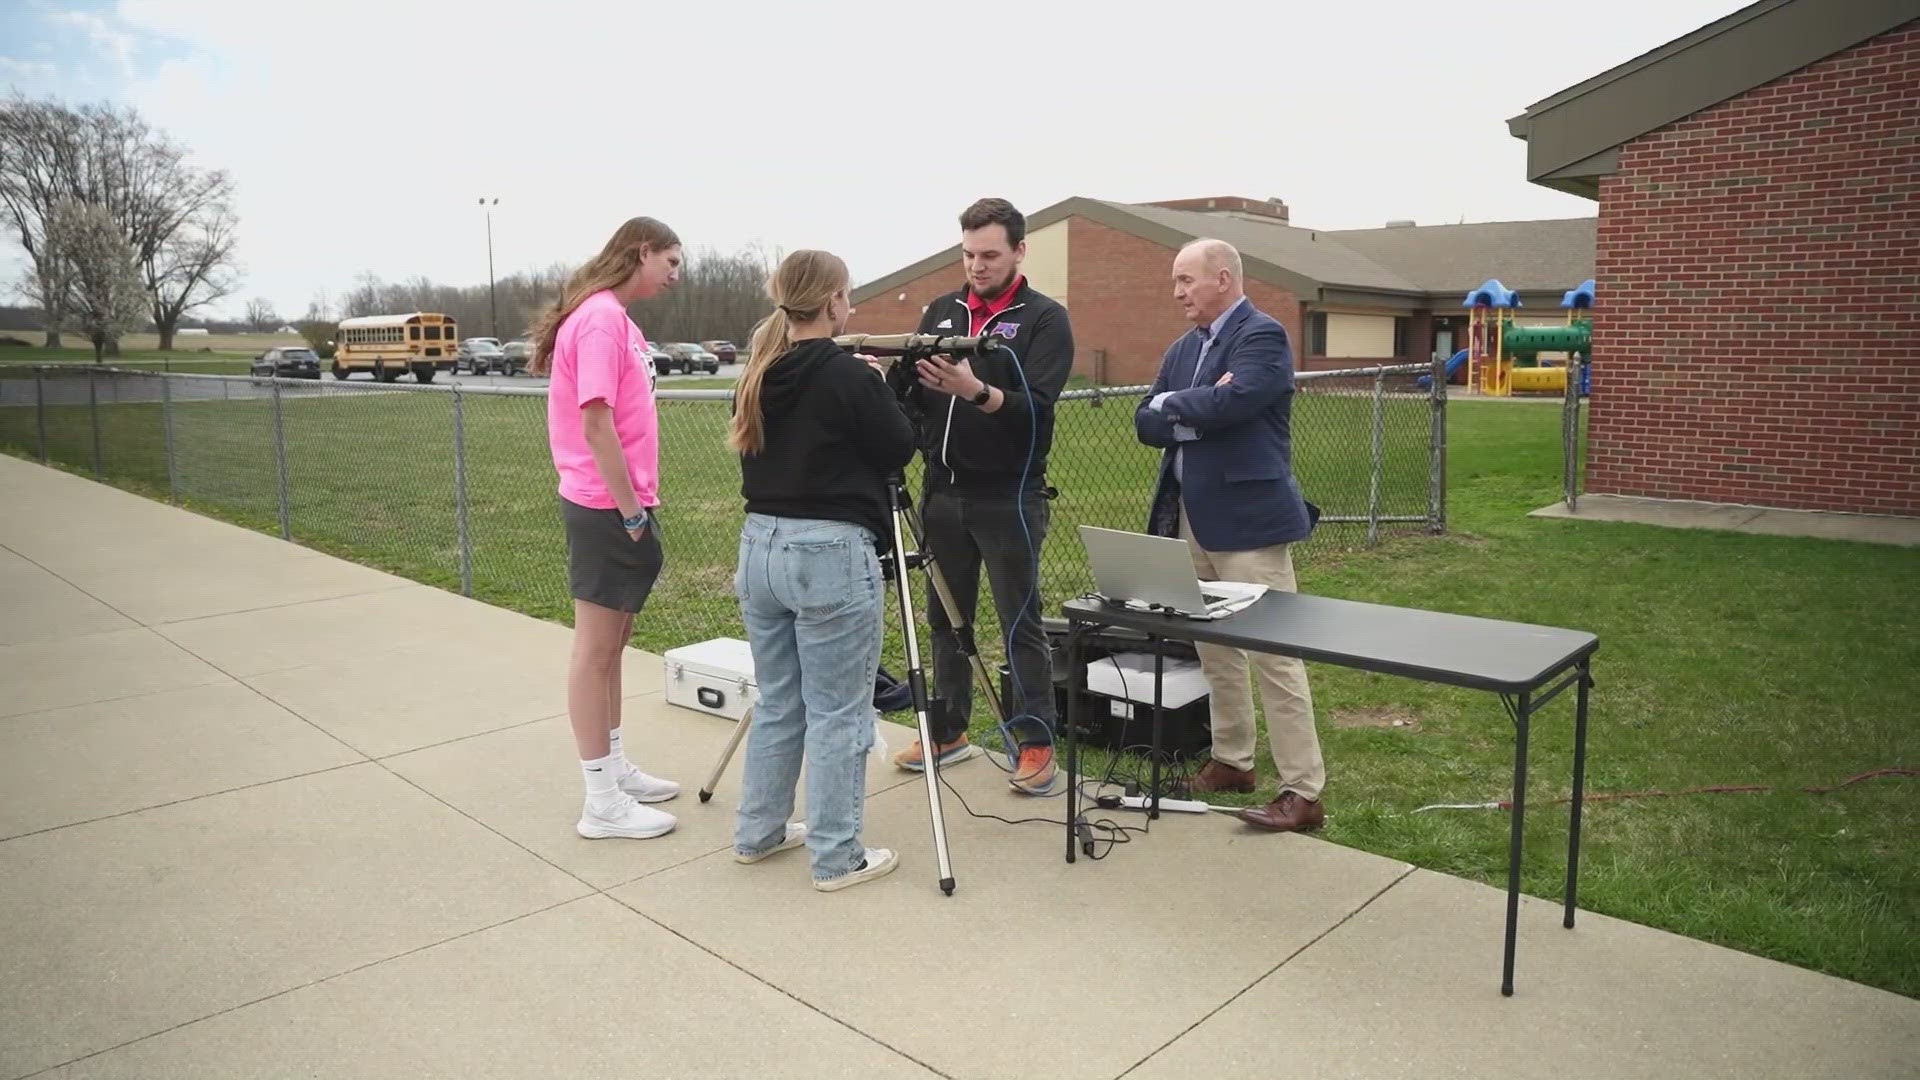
<point x="493" y="303"/>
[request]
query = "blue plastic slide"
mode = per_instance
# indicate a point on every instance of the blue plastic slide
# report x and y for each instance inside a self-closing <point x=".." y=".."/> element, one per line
<point x="1453" y="367"/>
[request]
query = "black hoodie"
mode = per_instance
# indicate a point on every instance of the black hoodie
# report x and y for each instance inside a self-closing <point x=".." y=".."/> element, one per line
<point x="833" y="433"/>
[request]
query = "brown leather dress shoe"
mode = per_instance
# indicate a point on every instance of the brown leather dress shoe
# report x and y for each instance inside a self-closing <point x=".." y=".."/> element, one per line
<point x="1218" y="776"/>
<point x="1288" y="813"/>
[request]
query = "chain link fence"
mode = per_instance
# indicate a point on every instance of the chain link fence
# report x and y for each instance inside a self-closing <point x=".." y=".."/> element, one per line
<point x="452" y="485"/>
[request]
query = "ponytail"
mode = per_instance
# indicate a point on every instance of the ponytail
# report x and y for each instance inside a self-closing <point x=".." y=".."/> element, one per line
<point x="801" y="288"/>
<point x="771" y="340"/>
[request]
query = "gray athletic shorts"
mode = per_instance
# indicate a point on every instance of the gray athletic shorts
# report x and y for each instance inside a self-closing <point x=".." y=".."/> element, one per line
<point x="605" y="564"/>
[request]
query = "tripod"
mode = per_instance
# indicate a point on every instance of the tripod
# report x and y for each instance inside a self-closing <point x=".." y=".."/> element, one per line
<point x="895" y="569"/>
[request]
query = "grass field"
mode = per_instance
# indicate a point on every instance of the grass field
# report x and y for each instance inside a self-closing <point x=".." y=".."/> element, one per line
<point x="215" y="354"/>
<point x="1724" y="659"/>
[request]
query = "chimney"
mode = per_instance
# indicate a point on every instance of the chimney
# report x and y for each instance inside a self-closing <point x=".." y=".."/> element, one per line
<point x="1271" y="208"/>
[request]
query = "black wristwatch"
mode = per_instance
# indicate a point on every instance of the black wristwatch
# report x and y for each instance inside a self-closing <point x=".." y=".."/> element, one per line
<point x="980" y="399"/>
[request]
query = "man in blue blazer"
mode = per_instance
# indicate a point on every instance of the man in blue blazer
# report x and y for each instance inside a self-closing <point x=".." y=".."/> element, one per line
<point x="1220" y="410"/>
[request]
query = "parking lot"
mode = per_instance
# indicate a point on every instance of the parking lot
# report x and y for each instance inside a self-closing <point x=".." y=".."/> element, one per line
<point x="727" y="371"/>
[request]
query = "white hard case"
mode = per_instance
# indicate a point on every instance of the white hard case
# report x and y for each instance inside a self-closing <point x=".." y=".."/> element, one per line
<point x="712" y="677"/>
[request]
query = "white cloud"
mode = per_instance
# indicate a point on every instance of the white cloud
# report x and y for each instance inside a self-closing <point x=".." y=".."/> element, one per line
<point x="12" y="68"/>
<point x="118" y="45"/>
<point x="360" y="140"/>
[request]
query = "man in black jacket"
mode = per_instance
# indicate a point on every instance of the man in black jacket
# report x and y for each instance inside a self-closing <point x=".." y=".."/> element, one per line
<point x="987" y="428"/>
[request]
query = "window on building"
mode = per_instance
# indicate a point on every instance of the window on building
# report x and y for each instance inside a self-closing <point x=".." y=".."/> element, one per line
<point x="1401" y="327"/>
<point x="1317" y="334"/>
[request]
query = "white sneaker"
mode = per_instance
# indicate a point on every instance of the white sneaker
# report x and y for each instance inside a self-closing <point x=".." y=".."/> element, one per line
<point x="621" y="816"/>
<point x="796" y="837"/>
<point x="647" y="789"/>
<point x="880" y="863"/>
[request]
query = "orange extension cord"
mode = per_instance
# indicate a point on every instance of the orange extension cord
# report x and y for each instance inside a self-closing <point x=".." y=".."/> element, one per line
<point x="1736" y="789"/>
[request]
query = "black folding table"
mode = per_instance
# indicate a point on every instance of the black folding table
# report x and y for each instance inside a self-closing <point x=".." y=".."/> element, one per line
<point x="1535" y="663"/>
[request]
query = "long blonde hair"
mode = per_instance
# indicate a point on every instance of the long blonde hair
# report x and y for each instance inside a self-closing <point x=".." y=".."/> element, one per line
<point x="800" y="289"/>
<point x="610" y="269"/>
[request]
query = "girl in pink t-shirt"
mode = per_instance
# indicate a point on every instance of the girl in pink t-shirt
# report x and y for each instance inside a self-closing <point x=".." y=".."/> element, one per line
<point x="605" y="440"/>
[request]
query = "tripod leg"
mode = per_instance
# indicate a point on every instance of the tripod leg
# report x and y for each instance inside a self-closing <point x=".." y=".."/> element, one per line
<point x="733" y="744"/>
<point x="962" y="627"/>
<point x="917" y="680"/>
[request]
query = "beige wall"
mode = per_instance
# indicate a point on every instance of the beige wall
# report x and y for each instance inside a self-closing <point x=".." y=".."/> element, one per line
<point x="1350" y="334"/>
<point x="1046" y="265"/>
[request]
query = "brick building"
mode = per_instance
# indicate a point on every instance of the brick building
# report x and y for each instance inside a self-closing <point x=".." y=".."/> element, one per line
<point x="1757" y="328"/>
<point x="1348" y="298"/>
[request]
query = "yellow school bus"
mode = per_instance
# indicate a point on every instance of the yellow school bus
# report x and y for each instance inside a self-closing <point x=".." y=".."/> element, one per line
<point x="389" y="346"/>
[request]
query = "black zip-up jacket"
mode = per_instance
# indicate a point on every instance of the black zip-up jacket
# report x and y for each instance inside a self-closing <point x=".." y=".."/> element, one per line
<point x="985" y="452"/>
<point x="833" y="433"/>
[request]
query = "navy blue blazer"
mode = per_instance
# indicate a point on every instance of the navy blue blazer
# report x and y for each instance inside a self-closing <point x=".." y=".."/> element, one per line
<point x="1239" y="488"/>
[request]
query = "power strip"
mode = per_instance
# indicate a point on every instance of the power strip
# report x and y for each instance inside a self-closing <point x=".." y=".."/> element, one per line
<point x="1141" y="802"/>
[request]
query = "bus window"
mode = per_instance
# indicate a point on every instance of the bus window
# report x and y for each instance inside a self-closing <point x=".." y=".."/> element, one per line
<point x="413" y="332"/>
<point x="433" y="333"/>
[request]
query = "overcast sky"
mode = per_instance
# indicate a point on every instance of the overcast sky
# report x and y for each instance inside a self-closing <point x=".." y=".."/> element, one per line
<point x="361" y="133"/>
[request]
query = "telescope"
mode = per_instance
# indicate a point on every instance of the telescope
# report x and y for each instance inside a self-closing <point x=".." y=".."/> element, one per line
<point x="918" y="346"/>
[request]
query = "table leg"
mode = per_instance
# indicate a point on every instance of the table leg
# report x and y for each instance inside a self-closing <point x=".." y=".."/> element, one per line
<point x="1513" y="851"/>
<point x="1159" y="669"/>
<point x="1579" y="786"/>
<point x="1076" y="680"/>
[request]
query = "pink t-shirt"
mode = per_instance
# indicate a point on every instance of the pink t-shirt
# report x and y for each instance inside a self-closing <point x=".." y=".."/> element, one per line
<point x="602" y="356"/>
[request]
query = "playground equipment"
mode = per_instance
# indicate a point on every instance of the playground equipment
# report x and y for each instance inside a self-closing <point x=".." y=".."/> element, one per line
<point x="1503" y="358"/>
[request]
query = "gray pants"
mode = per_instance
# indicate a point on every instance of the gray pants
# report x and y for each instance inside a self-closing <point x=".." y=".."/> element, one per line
<point x="966" y="531"/>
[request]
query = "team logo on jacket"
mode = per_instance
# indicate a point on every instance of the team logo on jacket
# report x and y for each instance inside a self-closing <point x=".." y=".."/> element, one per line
<point x="1006" y="329"/>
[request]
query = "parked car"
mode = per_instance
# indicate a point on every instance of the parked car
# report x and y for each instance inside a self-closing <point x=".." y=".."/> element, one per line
<point x="722" y="349"/>
<point x="290" y="363"/>
<point x="479" y="355"/>
<point x="662" y="360"/>
<point x="514" y="357"/>
<point x="689" y="357"/>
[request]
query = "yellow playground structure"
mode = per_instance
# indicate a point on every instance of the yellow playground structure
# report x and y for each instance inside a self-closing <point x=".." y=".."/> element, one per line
<point x="1504" y="358"/>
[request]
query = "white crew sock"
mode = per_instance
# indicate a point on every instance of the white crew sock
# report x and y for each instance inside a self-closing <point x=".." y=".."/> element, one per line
<point x="614" y="751"/>
<point x="602" y="775"/>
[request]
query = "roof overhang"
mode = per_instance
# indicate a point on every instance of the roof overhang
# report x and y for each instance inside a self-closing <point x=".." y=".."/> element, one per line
<point x="1573" y="138"/>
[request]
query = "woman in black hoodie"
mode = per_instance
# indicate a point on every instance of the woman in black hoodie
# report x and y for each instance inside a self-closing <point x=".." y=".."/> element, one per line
<point x="818" y="432"/>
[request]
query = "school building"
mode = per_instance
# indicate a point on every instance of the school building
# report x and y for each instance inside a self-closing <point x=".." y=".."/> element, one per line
<point x="1756" y="333"/>
<point x="1348" y="298"/>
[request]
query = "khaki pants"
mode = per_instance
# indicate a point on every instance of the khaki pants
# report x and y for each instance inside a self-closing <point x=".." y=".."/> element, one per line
<point x="1283" y="679"/>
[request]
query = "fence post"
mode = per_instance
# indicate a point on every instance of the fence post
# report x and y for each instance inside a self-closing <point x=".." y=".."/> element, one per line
<point x="40" y="407"/>
<point x="1379" y="447"/>
<point x="1570" y="433"/>
<point x="280" y="462"/>
<point x="166" y="426"/>
<point x="93" y="416"/>
<point x="460" y="493"/>
<point x="1437" y="451"/>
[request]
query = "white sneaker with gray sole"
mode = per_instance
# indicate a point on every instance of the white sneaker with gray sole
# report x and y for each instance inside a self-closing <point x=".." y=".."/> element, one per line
<point x="879" y="863"/>
<point x="796" y="837"/>
<point x="623" y="817"/>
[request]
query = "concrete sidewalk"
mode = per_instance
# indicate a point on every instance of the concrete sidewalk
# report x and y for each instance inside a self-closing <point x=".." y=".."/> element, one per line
<point x="259" y="817"/>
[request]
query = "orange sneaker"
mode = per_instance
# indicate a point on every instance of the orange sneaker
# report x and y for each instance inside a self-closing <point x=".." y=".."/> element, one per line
<point x="1035" y="774"/>
<point x="914" y="759"/>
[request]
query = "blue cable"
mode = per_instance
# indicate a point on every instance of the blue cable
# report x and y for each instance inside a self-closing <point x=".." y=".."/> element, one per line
<point x="1033" y="554"/>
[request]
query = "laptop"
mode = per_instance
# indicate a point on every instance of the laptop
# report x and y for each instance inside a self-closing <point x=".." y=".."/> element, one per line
<point x="1155" y="573"/>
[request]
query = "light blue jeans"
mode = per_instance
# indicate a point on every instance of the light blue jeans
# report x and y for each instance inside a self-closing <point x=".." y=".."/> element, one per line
<point x="812" y="598"/>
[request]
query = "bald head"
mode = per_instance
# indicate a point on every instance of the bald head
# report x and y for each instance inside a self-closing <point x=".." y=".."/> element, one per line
<point x="1207" y="279"/>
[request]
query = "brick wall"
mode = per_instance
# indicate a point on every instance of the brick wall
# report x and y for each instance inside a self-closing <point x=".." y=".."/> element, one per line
<point x="1757" y="333"/>
<point x="888" y="314"/>
<point x="1122" y="290"/>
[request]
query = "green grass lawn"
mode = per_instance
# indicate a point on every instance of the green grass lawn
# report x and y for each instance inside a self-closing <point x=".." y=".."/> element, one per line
<point x="1724" y="659"/>
<point x="187" y="360"/>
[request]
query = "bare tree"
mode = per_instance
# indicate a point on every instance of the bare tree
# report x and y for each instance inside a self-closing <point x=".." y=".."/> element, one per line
<point x="97" y="288"/>
<point x="260" y="315"/>
<point x="176" y="217"/>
